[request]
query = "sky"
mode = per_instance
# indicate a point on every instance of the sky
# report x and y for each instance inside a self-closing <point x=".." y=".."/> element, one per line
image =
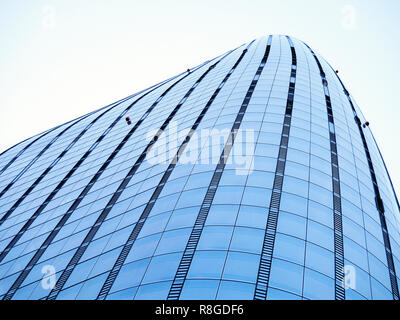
<point x="62" y="59"/>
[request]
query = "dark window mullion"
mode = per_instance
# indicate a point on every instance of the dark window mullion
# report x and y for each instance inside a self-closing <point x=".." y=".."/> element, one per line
<point x="378" y="200"/>
<point x="340" y="293"/>
<point x="187" y="256"/>
<point x="264" y="269"/>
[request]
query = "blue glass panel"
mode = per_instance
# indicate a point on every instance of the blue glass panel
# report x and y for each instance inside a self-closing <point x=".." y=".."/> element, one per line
<point x="127" y="294"/>
<point x="253" y="217"/>
<point x="130" y="275"/>
<point x="321" y="195"/>
<point x="230" y="290"/>
<point x="320" y="259"/>
<point x="199" y="290"/>
<point x="241" y="267"/>
<point x="355" y="253"/>
<point x="295" y="186"/>
<point x="294" y="204"/>
<point x="70" y="293"/>
<point x="154" y="224"/>
<point x="275" y="294"/>
<point x="256" y="197"/>
<point x="286" y="276"/>
<point x="357" y="280"/>
<point x="173" y="241"/>
<point x="261" y="179"/>
<point x="318" y="286"/>
<point x="91" y="288"/>
<point x="183" y="218"/>
<point x="292" y="224"/>
<point x="296" y="170"/>
<point x="143" y="248"/>
<point x="231" y="178"/>
<point x="353" y="295"/>
<point x="154" y="291"/>
<point x="228" y="195"/>
<point x="379" y="271"/>
<point x="222" y="215"/>
<point x="207" y="265"/>
<point x="379" y="292"/>
<point x="320" y="235"/>
<point x="169" y="262"/>
<point x="320" y="213"/>
<point x="247" y="240"/>
<point x="191" y="198"/>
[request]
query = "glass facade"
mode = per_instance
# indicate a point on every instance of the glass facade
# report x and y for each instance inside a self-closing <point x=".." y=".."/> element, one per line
<point x="251" y="176"/>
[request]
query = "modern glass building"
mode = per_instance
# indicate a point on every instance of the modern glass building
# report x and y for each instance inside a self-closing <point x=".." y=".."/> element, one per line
<point x="251" y="176"/>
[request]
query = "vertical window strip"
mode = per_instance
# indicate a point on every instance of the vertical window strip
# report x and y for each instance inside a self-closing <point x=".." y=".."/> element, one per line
<point x="264" y="269"/>
<point x="187" y="257"/>
<point x="103" y="215"/>
<point x="378" y="200"/>
<point x="25" y="272"/>
<point x="337" y="200"/>
<point x="112" y="275"/>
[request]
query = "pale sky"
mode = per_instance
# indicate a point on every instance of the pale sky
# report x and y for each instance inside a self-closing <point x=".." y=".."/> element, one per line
<point x="61" y="59"/>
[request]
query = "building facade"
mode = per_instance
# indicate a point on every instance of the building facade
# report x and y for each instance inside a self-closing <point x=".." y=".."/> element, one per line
<point x="251" y="176"/>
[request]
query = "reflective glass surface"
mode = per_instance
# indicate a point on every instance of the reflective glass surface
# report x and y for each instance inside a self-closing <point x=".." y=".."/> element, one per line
<point x="106" y="207"/>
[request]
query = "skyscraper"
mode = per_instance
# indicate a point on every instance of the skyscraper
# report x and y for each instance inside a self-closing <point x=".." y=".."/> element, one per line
<point x="251" y="176"/>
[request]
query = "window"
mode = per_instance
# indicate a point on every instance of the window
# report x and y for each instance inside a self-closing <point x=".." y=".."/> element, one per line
<point x="294" y="204"/>
<point x="275" y="294"/>
<point x="169" y="263"/>
<point x="222" y="215"/>
<point x="154" y="291"/>
<point x="320" y="259"/>
<point x="320" y="235"/>
<point x="130" y="275"/>
<point x="215" y="238"/>
<point x="207" y="265"/>
<point x="91" y="288"/>
<point x="191" y="198"/>
<point x="295" y="186"/>
<point x="173" y="241"/>
<point x="228" y="195"/>
<point x="286" y="276"/>
<point x="230" y="290"/>
<point x="318" y="286"/>
<point x="320" y="213"/>
<point x="253" y="217"/>
<point x="289" y="248"/>
<point x="247" y="240"/>
<point x="256" y="196"/>
<point x="183" y="218"/>
<point x="199" y="290"/>
<point x="291" y="224"/>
